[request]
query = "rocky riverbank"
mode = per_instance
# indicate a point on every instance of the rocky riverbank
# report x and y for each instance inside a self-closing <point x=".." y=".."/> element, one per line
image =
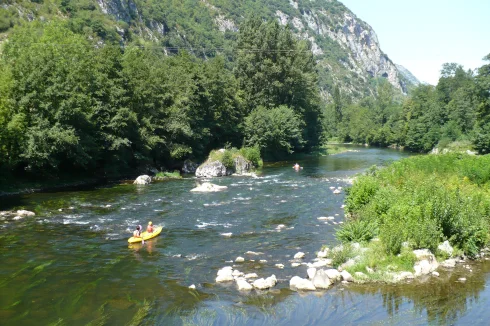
<point x="325" y="270"/>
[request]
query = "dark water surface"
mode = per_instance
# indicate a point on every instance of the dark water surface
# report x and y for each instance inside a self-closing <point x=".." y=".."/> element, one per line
<point x="71" y="264"/>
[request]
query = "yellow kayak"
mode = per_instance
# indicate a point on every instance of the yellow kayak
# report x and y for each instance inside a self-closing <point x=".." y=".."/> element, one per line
<point x="145" y="235"/>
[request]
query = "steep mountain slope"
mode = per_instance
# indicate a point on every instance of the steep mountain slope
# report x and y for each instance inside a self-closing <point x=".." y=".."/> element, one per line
<point x="346" y="48"/>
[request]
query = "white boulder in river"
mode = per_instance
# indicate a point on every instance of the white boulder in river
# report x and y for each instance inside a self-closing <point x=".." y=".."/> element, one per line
<point x="208" y="187"/>
<point x="212" y="169"/>
<point x="298" y="283"/>
<point x="142" y="180"/>
<point x="346" y="276"/>
<point x="299" y="255"/>
<point x="262" y="284"/>
<point x="25" y="213"/>
<point x="225" y="275"/>
<point x="321" y="280"/>
<point x="243" y="285"/>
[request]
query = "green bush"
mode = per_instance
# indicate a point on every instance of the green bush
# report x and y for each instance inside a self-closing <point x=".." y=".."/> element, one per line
<point x="359" y="230"/>
<point x="341" y="254"/>
<point x="423" y="200"/>
<point x="361" y="193"/>
<point x="228" y="156"/>
<point x="252" y="154"/>
<point x="392" y="234"/>
<point x="227" y="159"/>
<point x="168" y="175"/>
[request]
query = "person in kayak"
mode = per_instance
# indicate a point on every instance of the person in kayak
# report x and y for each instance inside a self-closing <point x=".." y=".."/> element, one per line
<point x="149" y="229"/>
<point x="137" y="232"/>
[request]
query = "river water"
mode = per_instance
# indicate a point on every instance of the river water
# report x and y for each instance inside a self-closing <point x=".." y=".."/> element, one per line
<point x="71" y="263"/>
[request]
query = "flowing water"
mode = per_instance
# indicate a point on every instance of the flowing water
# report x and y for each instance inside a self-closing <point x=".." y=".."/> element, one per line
<point x="71" y="263"/>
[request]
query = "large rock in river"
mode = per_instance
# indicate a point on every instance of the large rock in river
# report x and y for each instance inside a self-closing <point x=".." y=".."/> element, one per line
<point x="142" y="180"/>
<point x="212" y="169"/>
<point x="242" y="165"/>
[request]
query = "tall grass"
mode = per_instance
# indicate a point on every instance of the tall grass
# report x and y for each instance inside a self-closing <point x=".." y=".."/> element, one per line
<point x="423" y="200"/>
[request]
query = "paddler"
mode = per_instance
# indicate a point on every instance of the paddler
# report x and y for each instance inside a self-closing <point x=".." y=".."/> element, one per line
<point x="149" y="228"/>
<point x="137" y="232"/>
<point x="296" y="167"/>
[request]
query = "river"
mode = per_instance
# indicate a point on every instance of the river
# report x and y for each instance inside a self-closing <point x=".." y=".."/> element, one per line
<point x="71" y="263"/>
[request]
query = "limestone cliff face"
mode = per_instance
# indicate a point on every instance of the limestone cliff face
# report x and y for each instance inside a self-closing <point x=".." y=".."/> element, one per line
<point x="365" y="58"/>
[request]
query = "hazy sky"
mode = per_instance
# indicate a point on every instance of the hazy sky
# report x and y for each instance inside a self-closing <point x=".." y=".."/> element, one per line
<point x="421" y="35"/>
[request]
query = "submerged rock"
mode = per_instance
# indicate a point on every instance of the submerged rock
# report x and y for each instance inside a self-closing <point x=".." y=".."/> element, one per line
<point x="251" y="275"/>
<point x="142" y="180"/>
<point x="239" y="260"/>
<point x="208" y="187"/>
<point x="254" y="253"/>
<point x="23" y="213"/>
<point x="449" y="263"/>
<point x="403" y="276"/>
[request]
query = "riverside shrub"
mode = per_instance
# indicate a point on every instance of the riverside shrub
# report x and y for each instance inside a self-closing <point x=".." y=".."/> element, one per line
<point x="424" y="200"/>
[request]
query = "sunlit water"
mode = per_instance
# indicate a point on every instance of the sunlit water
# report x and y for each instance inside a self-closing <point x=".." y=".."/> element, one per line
<point x="71" y="264"/>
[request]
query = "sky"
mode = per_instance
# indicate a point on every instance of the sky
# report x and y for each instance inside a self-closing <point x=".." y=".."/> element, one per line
<point x="421" y="35"/>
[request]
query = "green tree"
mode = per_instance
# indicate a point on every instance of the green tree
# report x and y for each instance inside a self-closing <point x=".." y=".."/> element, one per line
<point x="52" y="69"/>
<point x="273" y="69"/>
<point x="277" y="131"/>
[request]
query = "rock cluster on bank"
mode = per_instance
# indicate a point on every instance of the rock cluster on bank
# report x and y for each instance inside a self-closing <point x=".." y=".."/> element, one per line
<point x="228" y="274"/>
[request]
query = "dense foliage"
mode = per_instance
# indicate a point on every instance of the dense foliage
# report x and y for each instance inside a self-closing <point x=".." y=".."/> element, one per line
<point x="71" y="103"/>
<point x="204" y="28"/>
<point x="423" y="201"/>
<point x="455" y="113"/>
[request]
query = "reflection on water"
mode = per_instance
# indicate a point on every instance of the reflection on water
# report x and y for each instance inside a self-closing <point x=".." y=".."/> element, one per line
<point x="72" y="265"/>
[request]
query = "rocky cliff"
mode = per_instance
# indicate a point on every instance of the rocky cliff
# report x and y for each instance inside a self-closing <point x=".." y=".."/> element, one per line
<point x="347" y="49"/>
